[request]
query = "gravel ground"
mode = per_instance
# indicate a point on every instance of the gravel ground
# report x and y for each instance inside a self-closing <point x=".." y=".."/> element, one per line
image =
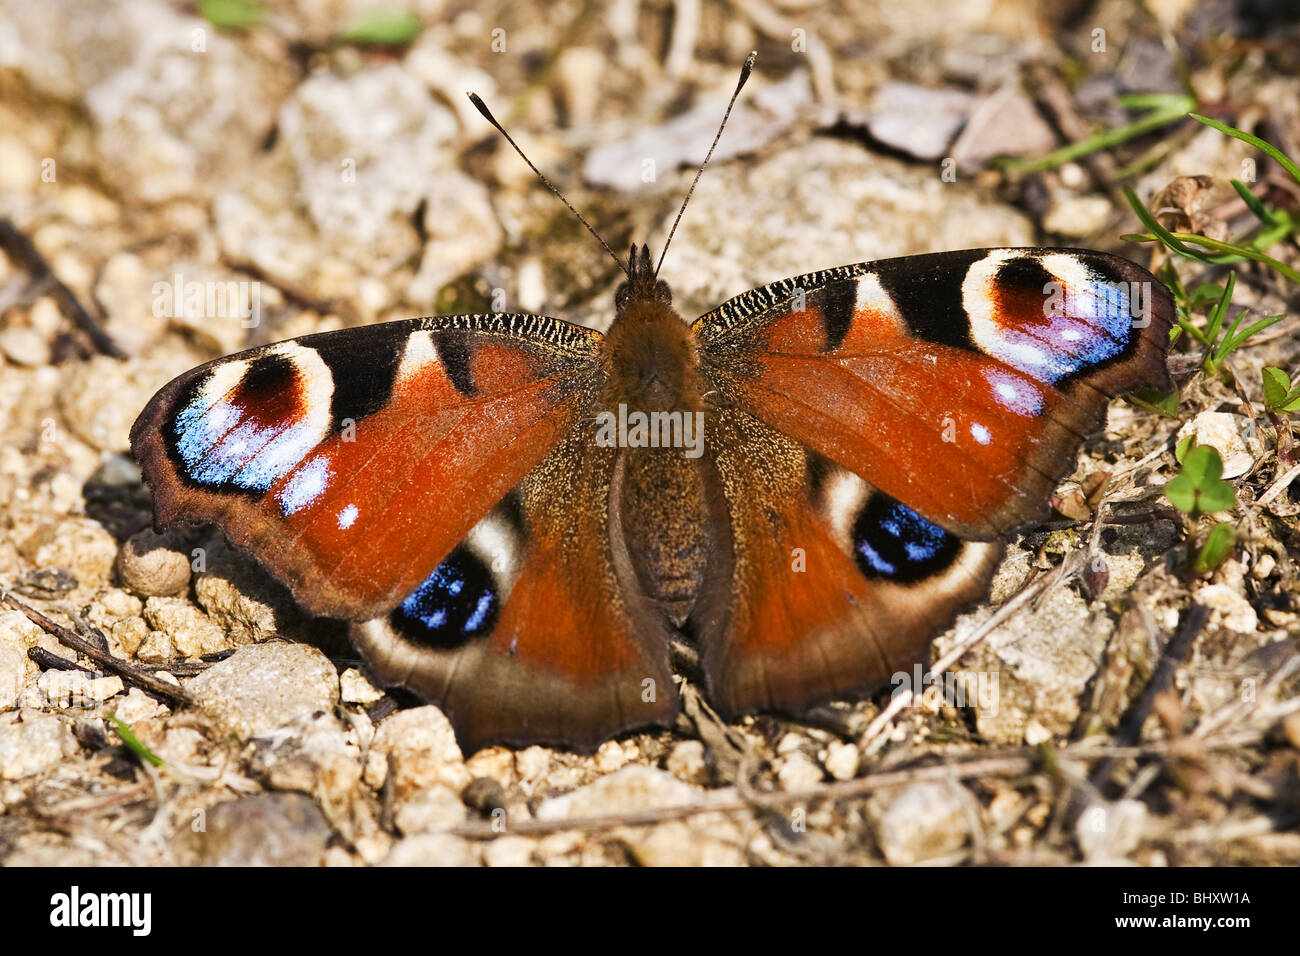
<point x="1138" y="713"/>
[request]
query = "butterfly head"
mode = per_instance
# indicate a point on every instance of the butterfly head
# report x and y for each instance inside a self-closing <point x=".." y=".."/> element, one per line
<point x="641" y="284"/>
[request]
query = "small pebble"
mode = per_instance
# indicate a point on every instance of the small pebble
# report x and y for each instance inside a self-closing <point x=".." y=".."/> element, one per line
<point x="265" y="686"/>
<point x="923" y="821"/>
<point x="24" y="346"/>
<point x="799" y="772"/>
<point x="1077" y="216"/>
<point x="354" y="688"/>
<point x="687" y="763"/>
<point x="509" y="851"/>
<point x="154" y="565"/>
<point x="841" y="760"/>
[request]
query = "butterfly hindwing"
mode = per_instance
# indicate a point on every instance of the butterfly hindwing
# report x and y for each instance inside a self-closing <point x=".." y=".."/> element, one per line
<point x="960" y="383"/>
<point x="819" y="585"/>
<point x="350" y="463"/>
<point x="533" y="630"/>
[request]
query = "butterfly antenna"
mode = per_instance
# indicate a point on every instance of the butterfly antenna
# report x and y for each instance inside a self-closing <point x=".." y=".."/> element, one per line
<point x="487" y="115"/>
<point x="740" y="84"/>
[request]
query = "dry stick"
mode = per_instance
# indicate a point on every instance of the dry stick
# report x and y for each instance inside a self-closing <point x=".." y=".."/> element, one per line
<point x="1176" y="651"/>
<point x="296" y="294"/>
<point x="874" y="737"/>
<point x="48" y="661"/>
<point x="732" y="800"/>
<point x="1277" y="488"/>
<point x="1142" y="462"/>
<point x="93" y="803"/>
<point x="128" y="672"/>
<point x="1238" y="709"/>
<point x="26" y="255"/>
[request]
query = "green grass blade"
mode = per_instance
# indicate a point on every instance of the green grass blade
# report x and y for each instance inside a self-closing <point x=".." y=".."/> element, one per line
<point x="1232" y="341"/>
<point x="1220" y="309"/>
<point x="1262" y="145"/>
<point x="1167" y="108"/>
<point x="133" y="743"/>
<point x="1252" y="203"/>
<point x="1241" y="251"/>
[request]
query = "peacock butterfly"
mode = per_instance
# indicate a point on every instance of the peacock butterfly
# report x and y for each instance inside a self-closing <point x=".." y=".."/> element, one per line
<point x="519" y="515"/>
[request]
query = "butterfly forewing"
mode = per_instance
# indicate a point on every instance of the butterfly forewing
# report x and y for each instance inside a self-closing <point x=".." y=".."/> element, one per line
<point x="961" y="383"/>
<point x="350" y="463"/>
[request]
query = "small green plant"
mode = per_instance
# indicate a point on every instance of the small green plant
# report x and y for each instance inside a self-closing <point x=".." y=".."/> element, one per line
<point x="383" y="28"/>
<point x="1279" y="396"/>
<point x="132" y="742"/>
<point x="231" y="15"/>
<point x="1199" y="489"/>
<point x="1220" y="342"/>
<point x="1280" y="400"/>
<point x="1273" y="226"/>
<point x="1218" y="547"/>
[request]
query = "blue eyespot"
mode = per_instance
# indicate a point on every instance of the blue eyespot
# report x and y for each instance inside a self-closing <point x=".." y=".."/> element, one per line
<point x="248" y="438"/>
<point x="457" y="602"/>
<point x="1091" y="324"/>
<point x="891" y="540"/>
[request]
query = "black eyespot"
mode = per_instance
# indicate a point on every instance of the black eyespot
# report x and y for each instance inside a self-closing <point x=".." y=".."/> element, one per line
<point x="268" y="373"/>
<point x="459" y="601"/>
<point x="892" y="541"/>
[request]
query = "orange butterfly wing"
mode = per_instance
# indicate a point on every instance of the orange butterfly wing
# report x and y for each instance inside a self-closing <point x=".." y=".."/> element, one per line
<point x="877" y="425"/>
<point x="960" y="383"/>
<point x="351" y="462"/>
<point x="449" y="499"/>
<point x="555" y="643"/>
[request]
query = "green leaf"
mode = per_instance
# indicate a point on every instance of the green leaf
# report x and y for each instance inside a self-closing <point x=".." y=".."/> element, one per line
<point x="231" y="14"/>
<point x="1221" y="309"/>
<point x="1203" y="464"/>
<point x="1234" y="338"/>
<point x="1231" y="253"/>
<point x="132" y="742"/>
<point x="1218" y="547"/>
<point x="1265" y="147"/>
<point x="1184" y="445"/>
<point x="1279" y="396"/>
<point x="1204" y="294"/>
<point x="1158" y="231"/>
<point x="1216" y="496"/>
<point x="1199" y="487"/>
<point x="1252" y="203"/>
<point x="384" y="28"/>
<point x="1169" y="276"/>
<point x="1181" y="492"/>
<point x="1154" y="400"/>
<point x="1276" y="384"/>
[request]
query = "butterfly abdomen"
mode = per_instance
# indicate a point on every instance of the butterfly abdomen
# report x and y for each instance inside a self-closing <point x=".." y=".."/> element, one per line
<point x="653" y="403"/>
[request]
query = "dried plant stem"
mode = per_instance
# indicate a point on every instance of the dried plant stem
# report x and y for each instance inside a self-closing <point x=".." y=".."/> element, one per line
<point x="128" y="672"/>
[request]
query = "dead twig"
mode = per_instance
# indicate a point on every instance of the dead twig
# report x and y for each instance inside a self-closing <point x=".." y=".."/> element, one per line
<point x="1016" y="763"/>
<point x="47" y="661"/>
<point x="1277" y="488"/>
<point x="25" y="254"/>
<point x="875" y="735"/>
<point x="1176" y="651"/>
<point x="128" y="672"/>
